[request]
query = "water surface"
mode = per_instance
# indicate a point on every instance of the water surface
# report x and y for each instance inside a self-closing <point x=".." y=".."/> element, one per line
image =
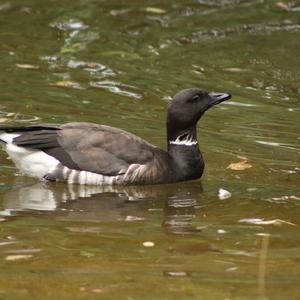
<point x="118" y="63"/>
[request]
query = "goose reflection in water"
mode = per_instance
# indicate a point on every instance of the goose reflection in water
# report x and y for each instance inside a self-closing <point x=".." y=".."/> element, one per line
<point x="107" y="203"/>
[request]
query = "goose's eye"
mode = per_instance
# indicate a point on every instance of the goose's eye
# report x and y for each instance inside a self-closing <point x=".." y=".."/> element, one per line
<point x="194" y="98"/>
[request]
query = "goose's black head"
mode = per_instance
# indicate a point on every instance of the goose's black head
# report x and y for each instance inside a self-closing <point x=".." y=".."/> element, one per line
<point x="187" y="107"/>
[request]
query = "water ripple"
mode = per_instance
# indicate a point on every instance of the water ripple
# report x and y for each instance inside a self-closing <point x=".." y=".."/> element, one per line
<point x="92" y="68"/>
<point x="7" y="117"/>
<point x="228" y="3"/>
<point x="70" y="24"/>
<point x="254" y="29"/>
<point x="116" y="87"/>
<point x="275" y="144"/>
<point x="180" y="203"/>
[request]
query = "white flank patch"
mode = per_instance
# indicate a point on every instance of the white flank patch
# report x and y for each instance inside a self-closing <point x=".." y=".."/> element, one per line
<point x="188" y="141"/>
<point x="34" y="163"/>
<point x="8" y="137"/>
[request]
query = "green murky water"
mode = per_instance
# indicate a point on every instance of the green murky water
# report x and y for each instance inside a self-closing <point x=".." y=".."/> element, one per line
<point x="117" y="63"/>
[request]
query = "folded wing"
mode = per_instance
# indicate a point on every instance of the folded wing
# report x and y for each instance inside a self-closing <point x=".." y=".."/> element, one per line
<point x="86" y="146"/>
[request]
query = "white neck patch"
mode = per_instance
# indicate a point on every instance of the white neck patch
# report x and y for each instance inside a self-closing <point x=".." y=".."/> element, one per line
<point x="187" y="141"/>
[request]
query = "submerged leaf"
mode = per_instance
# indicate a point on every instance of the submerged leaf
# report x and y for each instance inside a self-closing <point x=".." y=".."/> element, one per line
<point x="67" y="84"/>
<point x="4" y="120"/>
<point x="176" y="273"/>
<point x="134" y="218"/>
<point x="148" y="244"/>
<point x="27" y="66"/>
<point x="240" y="166"/>
<point x="18" y="257"/>
<point x="90" y="290"/>
<point x="155" y="10"/>
<point x="282" y="5"/>
<point x="234" y="70"/>
<point x="87" y="254"/>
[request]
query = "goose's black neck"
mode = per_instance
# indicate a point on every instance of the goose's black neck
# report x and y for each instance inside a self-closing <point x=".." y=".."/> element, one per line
<point x="185" y="137"/>
<point x="184" y="151"/>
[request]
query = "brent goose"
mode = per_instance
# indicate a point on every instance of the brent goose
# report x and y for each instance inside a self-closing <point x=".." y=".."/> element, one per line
<point x="87" y="153"/>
